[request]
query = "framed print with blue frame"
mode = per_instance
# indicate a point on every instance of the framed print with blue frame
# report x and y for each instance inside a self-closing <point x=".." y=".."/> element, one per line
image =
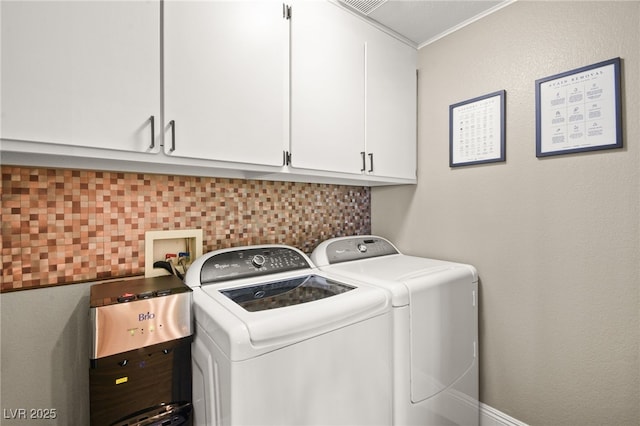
<point x="477" y="130"/>
<point x="579" y="110"/>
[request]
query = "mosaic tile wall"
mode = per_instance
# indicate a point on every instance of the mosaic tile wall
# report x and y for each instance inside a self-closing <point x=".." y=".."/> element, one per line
<point x="69" y="226"/>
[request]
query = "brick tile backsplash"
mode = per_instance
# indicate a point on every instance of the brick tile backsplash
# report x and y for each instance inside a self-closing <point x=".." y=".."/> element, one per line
<point x="62" y="226"/>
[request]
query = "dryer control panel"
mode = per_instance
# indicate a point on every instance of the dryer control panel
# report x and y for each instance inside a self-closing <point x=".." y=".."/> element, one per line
<point x="356" y="248"/>
<point x="251" y="262"/>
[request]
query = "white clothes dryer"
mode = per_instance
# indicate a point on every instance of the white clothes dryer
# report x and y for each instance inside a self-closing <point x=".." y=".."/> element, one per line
<point x="435" y="315"/>
<point x="278" y="342"/>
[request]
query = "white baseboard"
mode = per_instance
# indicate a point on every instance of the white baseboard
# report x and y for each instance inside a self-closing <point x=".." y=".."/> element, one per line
<point x="489" y="416"/>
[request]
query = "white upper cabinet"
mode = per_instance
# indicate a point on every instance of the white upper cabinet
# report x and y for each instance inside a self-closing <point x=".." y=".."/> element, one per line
<point x="82" y="73"/>
<point x="232" y="88"/>
<point x="327" y="87"/>
<point x="353" y="95"/>
<point x="226" y="94"/>
<point x="390" y="107"/>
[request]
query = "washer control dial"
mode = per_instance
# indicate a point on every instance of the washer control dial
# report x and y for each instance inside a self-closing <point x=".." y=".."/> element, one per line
<point x="362" y="248"/>
<point x="258" y="261"/>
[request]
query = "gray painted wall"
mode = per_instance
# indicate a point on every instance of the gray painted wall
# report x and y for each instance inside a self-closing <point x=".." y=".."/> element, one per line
<point x="45" y="349"/>
<point x="556" y="240"/>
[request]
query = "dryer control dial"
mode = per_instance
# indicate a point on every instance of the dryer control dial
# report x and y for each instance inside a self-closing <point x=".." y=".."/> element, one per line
<point x="353" y="248"/>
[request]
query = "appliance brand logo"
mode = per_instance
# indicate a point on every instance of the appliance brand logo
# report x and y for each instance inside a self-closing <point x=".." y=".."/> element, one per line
<point x="146" y="317"/>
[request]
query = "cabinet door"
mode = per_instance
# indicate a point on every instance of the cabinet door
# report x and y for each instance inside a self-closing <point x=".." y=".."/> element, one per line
<point x="81" y="73"/>
<point x="391" y="107"/>
<point x="327" y="88"/>
<point x="226" y="80"/>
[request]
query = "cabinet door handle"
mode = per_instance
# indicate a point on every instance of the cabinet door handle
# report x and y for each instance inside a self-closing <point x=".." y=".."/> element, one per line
<point x="364" y="161"/>
<point x="286" y="11"/>
<point x="152" y="120"/>
<point x="172" y="123"/>
<point x="371" y="162"/>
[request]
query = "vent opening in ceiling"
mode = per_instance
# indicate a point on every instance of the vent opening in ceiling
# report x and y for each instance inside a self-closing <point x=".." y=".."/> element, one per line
<point x="364" y="6"/>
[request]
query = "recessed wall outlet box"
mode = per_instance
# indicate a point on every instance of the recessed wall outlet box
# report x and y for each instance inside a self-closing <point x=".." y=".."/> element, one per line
<point x="160" y="244"/>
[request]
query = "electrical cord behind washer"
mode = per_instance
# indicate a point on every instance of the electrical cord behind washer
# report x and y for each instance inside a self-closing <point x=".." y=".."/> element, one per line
<point x="168" y="265"/>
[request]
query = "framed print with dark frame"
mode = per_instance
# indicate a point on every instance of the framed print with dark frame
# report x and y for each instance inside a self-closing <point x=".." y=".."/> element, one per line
<point x="477" y="130"/>
<point x="579" y="110"/>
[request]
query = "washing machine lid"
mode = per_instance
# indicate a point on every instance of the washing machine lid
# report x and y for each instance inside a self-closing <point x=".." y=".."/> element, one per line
<point x="292" y="308"/>
<point x="283" y="293"/>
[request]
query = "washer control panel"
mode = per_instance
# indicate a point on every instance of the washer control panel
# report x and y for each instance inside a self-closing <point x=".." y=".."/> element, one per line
<point x="250" y="262"/>
<point x="356" y="248"/>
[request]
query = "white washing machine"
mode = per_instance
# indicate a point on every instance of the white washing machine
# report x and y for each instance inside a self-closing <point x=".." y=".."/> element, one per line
<point x="435" y="315"/>
<point x="278" y="342"/>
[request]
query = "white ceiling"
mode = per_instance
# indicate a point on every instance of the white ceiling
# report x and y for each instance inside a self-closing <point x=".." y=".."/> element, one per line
<point x="424" y="21"/>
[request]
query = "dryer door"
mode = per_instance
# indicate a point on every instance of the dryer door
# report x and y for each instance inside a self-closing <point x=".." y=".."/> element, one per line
<point x="444" y="326"/>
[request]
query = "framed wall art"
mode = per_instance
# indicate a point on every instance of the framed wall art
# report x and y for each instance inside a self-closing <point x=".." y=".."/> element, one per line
<point x="579" y="110"/>
<point x="477" y="130"/>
